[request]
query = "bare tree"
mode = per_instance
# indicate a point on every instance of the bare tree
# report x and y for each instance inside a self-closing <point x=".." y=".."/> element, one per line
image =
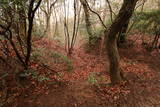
<point x="7" y="30"/>
<point x="47" y="9"/>
<point x="71" y="39"/>
<point x="87" y="20"/>
<point x="124" y="15"/>
<point x="110" y="9"/>
<point x="31" y="13"/>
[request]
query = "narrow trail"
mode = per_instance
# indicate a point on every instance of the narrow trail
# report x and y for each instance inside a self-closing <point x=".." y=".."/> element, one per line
<point x="142" y="90"/>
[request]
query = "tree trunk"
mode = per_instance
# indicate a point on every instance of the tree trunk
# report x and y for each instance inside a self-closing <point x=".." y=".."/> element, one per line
<point x="29" y="38"/>
<point x="122" y="34"/>
<point x="87" y="20"/>
<point x="113" y="56"/>
<point x="124" y="15"/>
<point x="47" y="30"/>
<point x="158" y="2"/>
<point x="23" y="23"/>
<point x="31" y="14"/>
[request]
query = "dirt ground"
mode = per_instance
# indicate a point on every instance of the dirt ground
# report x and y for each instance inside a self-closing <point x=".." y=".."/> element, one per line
<point x="141" y="68"/>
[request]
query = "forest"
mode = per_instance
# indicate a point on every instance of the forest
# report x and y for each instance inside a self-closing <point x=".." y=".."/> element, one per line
<point x="79" y="53"/>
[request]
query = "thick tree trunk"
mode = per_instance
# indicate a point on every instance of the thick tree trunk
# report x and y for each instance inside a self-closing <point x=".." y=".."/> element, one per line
<point x="122" y="34"/>
<point x="113" y="56"/>
<point x="124" y="15"/>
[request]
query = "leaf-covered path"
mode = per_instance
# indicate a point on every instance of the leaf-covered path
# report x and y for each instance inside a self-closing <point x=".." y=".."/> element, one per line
<point x="86" y="85"/>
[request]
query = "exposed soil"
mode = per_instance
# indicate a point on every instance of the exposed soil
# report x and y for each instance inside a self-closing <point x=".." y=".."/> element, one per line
<point x="87" y="84"/>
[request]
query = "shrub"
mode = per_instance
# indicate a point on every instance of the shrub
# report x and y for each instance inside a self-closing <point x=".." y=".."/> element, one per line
<point x="59" y="58"/>
<point x="34" y="75"/>
<point x="147" y="22"/>
<point x="38" y="31"/>
<point x="37" y="54"/>
<point x="91" y="79"/>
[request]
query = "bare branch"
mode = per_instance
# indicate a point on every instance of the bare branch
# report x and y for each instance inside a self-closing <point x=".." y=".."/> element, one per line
<point x="96" y="14"/>
<point x="52" y="5"/>
<point x="38" y="4"/>
<point x="110" y="9"/>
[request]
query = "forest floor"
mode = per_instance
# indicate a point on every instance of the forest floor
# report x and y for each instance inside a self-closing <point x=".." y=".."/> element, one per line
<point x="84" y="82"/>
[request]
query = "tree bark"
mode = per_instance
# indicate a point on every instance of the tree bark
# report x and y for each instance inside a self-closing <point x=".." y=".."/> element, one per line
<point x="47" y="29"/>
<point x="158" y="3"/>
<point x="124" y="15"/>
<point x="87" y="20"/>
<point x="31" y="14"/>
<point x="122" y="33"/>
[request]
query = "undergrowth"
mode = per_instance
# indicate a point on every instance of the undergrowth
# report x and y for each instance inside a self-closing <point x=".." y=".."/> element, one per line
<point x="59" y="58"/>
